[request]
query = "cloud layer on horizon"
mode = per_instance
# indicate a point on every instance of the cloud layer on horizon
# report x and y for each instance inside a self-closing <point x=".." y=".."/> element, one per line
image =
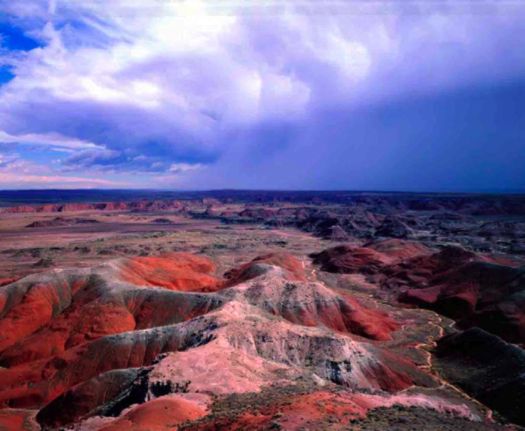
<point x="169" y="93"/>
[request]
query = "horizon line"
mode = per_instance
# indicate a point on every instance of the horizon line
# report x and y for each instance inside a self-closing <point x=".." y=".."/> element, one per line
<point x="275" y="190"/>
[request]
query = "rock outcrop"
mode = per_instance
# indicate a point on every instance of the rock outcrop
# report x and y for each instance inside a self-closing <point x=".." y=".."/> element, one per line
<point x="138" y="343"/>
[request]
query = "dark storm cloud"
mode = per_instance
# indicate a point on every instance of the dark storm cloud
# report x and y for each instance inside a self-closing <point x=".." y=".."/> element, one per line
<point x="364" y="95"/>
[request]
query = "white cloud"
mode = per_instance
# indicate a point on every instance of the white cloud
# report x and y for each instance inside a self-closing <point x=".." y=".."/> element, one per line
<point x="15" y="180"/>
<point x="52" y="140"/>
<point x="184" y="58"/>
<point x="16" y="172"/>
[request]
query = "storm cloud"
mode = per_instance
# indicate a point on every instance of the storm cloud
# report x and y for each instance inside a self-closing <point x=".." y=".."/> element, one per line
<point x="385" y="95"/>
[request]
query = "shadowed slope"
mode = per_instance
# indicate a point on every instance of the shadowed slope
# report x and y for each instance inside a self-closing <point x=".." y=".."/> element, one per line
<point x="120" y="345"/>
<point x="312" y="304"/>
<point x="488" y="368"/>
<point x="370" y="258"/>
<point x="474" y="289"/>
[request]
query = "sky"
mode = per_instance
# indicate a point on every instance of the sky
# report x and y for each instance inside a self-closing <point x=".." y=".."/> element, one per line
<point x="415" y="95"/>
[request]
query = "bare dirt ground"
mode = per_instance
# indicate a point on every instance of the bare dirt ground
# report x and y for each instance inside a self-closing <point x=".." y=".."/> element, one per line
<point x="28" y="250"/>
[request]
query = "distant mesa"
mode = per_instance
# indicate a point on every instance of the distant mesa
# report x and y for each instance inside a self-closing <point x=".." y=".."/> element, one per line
<point x="62" y="221"/>
<point x="343" y="216"/>
<point x="163" y="221"/>
<point x="142" y="205"/>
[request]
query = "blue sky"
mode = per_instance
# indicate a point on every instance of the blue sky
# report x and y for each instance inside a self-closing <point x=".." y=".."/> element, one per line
<point x="389" y="95"/>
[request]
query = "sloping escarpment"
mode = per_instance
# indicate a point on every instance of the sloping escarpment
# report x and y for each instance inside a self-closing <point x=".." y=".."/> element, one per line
<point x="370" y="258"/>
<point x="178" y="271"/>
<point x="18" y="419"/>
<point x="486" y="367"/>
<point x="473" y="289"/>
<point x="152" y="343"/>
<point x="480" y="294"/>
<point x="292" y="267"/>
<point x="99" y="313"/>
<point x="87" y="396"/>
<point x="29" y="385"/>
<point x="313" y="304"/>
<point x="42" y="297"/>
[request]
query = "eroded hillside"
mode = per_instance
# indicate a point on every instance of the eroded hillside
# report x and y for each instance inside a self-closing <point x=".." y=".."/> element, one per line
<point x="206" y="323"/>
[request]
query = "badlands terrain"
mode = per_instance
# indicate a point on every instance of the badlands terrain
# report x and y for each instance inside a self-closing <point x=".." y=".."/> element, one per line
<point x="239" y="310"/>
